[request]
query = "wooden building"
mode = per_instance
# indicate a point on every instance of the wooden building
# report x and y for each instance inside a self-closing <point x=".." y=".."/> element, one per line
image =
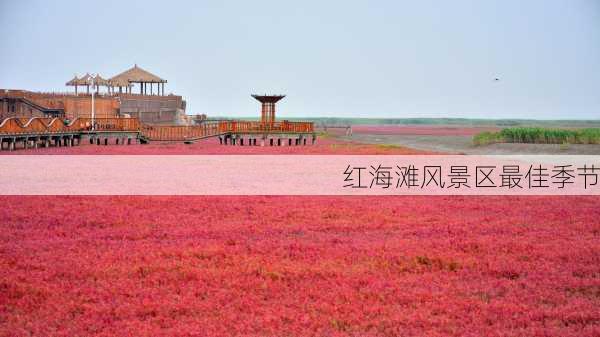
<point x="134" y="93"/>
<point x="27" y="104"/>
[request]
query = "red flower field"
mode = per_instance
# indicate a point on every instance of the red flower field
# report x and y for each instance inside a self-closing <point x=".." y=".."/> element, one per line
<point x="212" y="146"/>
<point x="298" y="266"/>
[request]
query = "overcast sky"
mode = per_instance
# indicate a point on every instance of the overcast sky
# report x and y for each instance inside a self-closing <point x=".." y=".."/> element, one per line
<point x="331" y="58"/>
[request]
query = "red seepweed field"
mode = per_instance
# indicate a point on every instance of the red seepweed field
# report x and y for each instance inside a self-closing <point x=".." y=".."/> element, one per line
<point x="298" y="266"/>
<point x="324" y="146"/>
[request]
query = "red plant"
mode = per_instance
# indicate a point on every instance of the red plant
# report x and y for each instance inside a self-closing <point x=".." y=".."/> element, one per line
<point x="298" y="266"/>
<point x="212" y="146"/>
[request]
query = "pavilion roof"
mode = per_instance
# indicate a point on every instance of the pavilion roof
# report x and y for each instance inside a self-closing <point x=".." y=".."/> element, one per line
<point x="119" y="82"/>
<point x="137" y="74"/>
<point x="73" y="82"/>
<point x="99" y="80"/>
<point x="268" y="98"/>
<point x="85" y="79"/>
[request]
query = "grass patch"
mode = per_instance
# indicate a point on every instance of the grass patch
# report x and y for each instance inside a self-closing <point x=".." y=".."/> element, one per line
<point x="536" y="135"/>
<point x="485" y="138"/>
<point x="388" y="146"/>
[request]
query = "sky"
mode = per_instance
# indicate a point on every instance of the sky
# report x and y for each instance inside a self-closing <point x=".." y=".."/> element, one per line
<point x="379" y="59"/>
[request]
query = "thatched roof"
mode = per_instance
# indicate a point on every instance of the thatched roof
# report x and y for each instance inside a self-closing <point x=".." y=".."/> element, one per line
<point x="99" y="80"/>
<point x="73" y="82"/>
<point x="85" y="79"/>
<point x="137" y="74"/>
<point x="76" y="81"/>
<point x="120" y="82"/>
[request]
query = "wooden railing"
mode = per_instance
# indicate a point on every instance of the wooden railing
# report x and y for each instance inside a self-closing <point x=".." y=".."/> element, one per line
<point x="260" y="127"/>
<point x="179" y="133"/>
<point x="38" y="125"/>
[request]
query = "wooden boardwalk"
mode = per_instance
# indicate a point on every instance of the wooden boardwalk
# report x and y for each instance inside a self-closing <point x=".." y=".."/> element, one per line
<point x="38" y="131"/>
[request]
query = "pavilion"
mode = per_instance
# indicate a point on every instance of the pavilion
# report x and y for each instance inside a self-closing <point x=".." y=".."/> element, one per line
<point x="267" y="111"/>
<point x="83" y="81"/>
<point x="141" y="76"/>
<point x="86" y="81"/>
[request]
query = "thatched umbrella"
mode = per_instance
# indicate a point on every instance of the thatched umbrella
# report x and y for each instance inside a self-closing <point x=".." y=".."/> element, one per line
<point x="73" y="83"/>
<point x="100" y="81"/>
<point x="85" y="81"/>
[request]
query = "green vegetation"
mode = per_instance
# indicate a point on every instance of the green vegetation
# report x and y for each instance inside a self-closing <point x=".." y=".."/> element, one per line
<point x="388" y="146"/>
<point x="539" y="136"/>
<point x="485" y="138"/>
